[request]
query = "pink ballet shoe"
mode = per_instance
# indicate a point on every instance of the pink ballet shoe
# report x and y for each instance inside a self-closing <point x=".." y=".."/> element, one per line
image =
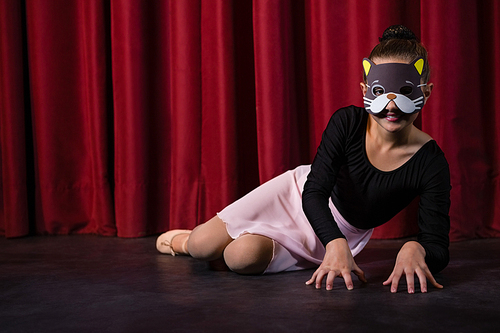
<point x="164" y="242"/>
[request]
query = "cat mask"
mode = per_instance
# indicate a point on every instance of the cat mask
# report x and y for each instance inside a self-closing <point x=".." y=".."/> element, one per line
<point x="395" y="82"/>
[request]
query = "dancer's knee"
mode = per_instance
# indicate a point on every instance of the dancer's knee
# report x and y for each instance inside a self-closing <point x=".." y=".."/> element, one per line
<point x="199" y="246"/>
<point x="249" y="254"/>
<point x="208" y="241"/>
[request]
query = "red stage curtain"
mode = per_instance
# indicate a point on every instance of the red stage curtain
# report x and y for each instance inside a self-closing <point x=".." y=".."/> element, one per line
<point x="130" y="117"/>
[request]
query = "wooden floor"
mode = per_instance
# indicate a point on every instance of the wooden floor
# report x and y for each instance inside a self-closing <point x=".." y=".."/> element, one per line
<point x="99" y="284"/>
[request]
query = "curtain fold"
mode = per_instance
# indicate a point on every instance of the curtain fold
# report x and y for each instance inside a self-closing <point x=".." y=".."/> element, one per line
<point x="218" y="109"/>
<point x="277" y="113"/>
<point x="14" y="217"/>
<point x="142" y="77"/>
<point x="463" y="120"/>
<point x="129" y="117"/>
<point x="67" y="71"/>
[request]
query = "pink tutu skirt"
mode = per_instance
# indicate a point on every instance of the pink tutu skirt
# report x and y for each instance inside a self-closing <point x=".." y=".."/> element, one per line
<point x="274" y="210"/>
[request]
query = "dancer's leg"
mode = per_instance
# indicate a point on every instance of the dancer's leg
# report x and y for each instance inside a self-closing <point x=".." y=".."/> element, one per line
<point x="249" y="254"/>
<point x="208" y="240"/>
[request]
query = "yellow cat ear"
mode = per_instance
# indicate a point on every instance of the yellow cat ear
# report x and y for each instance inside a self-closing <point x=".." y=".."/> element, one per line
<point x="419" y="65"/>
<point x="366" y="65"/>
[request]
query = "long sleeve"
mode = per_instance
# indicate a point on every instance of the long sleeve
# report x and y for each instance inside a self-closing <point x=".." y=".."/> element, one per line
<point x="318" y="188"/>
<point x="434" y="220"/>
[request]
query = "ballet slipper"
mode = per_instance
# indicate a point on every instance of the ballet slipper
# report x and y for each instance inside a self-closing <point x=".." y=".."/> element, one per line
<point x="164" y="242"/>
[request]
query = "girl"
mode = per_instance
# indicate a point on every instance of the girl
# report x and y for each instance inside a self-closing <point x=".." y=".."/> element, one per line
<point x="371" y="163"/>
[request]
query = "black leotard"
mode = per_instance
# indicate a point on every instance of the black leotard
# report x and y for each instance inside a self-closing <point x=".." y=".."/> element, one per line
<point x="368" y="197"/>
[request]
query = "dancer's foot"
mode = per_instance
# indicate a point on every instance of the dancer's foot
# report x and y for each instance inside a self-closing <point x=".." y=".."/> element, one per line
<point x="173" y="242"/>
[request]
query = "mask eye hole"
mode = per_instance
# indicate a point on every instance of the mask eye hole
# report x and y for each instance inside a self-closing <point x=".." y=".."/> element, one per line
<point x="406" y="90"/>
<point x="378" y="90"/>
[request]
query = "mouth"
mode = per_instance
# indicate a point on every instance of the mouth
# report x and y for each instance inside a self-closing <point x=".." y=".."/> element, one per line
<point x="392" y="117"/>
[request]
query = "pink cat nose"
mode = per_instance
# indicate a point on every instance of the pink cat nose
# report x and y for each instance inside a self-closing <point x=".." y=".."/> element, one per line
<point x="391" y="96"/>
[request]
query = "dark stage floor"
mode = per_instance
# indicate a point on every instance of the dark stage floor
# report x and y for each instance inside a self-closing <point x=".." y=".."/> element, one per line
<point x="98" y="284"/>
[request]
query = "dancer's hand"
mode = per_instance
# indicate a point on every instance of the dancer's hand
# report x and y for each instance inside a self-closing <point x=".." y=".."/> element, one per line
<point x="338" y="261"/>
<point x="411" y="261"/>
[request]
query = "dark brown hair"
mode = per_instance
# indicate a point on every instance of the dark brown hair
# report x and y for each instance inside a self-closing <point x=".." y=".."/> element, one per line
<point x="401" y="43"/>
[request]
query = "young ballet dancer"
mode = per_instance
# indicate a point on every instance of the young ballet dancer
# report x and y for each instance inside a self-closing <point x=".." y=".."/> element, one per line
<point x="371" y="163"/>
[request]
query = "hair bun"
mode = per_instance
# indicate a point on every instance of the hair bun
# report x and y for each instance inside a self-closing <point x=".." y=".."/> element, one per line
<point x="398" y="32"/>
